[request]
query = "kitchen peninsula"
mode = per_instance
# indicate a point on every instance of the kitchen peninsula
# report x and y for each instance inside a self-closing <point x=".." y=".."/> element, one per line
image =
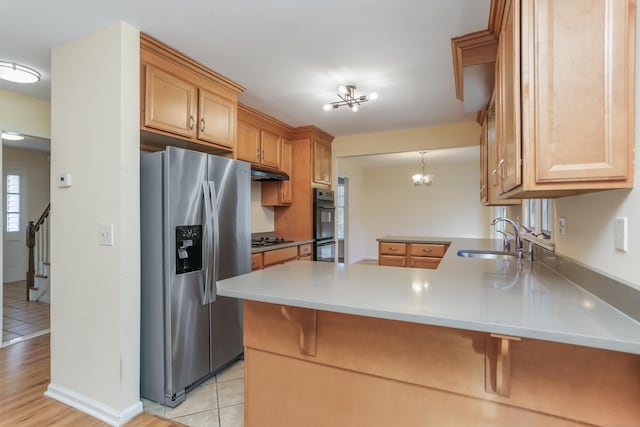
<point x="475" y="342"/>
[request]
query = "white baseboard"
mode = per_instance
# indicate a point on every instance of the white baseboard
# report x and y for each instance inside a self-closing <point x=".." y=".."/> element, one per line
<point x="93" y="407"/>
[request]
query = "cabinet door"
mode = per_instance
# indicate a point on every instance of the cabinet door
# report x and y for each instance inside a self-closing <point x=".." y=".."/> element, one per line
<point x="256" y="262"/>
<point x="509" y="108"/>
<point x="169" y="103"/>
<point x="321" y="162"/>
<point x="424" y="262"/>
<point x="271" y="149"/>
<point x="286" y="188"/>
<point x="578" y="71"/>
<point x="248" y="147"/>
<point x="217" y="119"/>
<point x="392" y="260"/>
<point x="483" y="164"/>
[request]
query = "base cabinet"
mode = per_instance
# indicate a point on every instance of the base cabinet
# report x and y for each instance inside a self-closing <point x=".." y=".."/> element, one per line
<point x="323" y="368"/>
<point x="414" y="255"/>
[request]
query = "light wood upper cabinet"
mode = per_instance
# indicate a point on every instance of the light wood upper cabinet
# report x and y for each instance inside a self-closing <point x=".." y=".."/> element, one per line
<point x="285" y="186"/>
<point x="169" y="103"/>
<point x="271" y="149"/>
<point x="280" y="193"/>
<point x="217" y="119"/>
<point x="565" y="97"/>
<point x="260" y="147"/>
<point x="321" y="162"/>
<point x="248" y="147"/>
<point x="183" y="103"/>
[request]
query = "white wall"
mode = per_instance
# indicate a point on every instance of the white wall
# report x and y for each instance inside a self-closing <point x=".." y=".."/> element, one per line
<point x="384" y="201"/>
<point x="261" y="217"/>
<point x="95" y="312"/>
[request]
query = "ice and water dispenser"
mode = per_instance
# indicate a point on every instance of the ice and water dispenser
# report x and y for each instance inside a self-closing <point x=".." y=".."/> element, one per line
<point x="188" y="248"/>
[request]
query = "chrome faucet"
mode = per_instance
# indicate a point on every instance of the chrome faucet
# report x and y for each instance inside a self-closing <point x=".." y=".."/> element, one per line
<point x="506" y="243"/>
<point x="516" y="232"/>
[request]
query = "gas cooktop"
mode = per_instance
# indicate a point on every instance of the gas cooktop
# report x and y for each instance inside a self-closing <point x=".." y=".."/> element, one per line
<point x="268" y="241"/>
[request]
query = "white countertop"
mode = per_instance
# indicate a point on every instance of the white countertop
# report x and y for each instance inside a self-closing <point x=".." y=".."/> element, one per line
<point x="524" y="299"/>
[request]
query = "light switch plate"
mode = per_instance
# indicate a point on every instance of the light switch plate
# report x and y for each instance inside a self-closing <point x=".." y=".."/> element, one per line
<point x="620" y="230"/>
<point x="106" y="235"/>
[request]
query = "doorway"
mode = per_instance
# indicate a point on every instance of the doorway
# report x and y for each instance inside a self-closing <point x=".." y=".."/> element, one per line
<point x="25" y="194"/>
<point x="341" y="217"/>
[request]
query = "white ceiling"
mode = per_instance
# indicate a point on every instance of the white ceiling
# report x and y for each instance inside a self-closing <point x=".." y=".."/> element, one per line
<point x="291" y="55"/>
<point x="412" y="158"/>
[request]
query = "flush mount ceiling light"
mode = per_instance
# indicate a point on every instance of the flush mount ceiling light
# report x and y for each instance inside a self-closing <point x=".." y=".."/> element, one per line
<point x="18" y="73"/>
<point x="348" y="98"/>
<point x="12" y="136"/>
<point x="422" y="178"/>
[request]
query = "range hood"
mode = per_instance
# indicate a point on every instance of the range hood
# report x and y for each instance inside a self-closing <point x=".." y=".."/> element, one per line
<point x="257" y="175"/>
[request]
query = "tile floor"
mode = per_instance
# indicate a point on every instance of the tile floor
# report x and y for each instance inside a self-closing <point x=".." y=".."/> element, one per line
<point x="219" y="402"/>
<point x="19" y="316"/>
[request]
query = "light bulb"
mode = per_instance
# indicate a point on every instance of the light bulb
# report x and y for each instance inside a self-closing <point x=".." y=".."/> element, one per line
<point x="327" y="107"/>
<point x="417" y="179"/>
<point x="373" y="96"/>
<point x="342" y="90"/>
<point x="354" y="108"/>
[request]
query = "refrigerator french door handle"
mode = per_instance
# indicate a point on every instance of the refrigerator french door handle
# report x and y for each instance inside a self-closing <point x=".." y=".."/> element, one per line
<point x="204" y="293"/>
<point x="213" y="289"/>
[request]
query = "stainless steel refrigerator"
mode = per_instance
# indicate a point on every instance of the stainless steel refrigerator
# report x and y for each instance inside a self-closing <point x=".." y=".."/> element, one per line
<point x="195" y="229"/>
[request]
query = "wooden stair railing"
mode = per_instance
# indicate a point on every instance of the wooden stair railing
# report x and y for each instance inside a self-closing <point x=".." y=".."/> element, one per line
<point x="32" y="230"/>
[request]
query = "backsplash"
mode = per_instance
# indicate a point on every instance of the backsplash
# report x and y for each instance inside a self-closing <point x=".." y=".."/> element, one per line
<point x="261" y="217"/>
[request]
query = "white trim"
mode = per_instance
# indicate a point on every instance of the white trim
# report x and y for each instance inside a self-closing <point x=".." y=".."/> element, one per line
<point x="92" y="407"/>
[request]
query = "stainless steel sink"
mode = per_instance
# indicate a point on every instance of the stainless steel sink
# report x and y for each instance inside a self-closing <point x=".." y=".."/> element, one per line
<point x="485" y="254"/>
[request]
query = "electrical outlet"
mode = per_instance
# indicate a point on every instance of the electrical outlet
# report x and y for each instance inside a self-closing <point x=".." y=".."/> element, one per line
<point x="620" y="230"/>
<point x="106" y="235"/>
<point x="563" y="227"/>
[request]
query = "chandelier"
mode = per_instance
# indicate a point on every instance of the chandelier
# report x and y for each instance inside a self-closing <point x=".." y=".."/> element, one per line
<point x="348" y="98"/>
<point x="422" y="178"/>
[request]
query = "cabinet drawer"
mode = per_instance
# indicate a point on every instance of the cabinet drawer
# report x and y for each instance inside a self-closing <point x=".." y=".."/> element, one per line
<point x="424" y="262"/>
<point x="392" y="260"/>
<point x="280" y="256"/>
<point x="427" y="250"/>
<point x="256" y="262"/>
<point x="304" y="250"/>
<point x="390" y="248"/>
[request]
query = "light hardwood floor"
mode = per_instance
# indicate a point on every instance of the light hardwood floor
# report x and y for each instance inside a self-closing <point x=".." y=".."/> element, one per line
<point x="24" y="376"/>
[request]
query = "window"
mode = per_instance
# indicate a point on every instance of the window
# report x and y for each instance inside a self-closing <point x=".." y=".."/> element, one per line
<point x="13" y="195"/>
<point x="537" y="216"/>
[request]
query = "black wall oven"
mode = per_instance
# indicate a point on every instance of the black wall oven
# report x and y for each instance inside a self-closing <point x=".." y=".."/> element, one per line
<point x="324" y="225"/>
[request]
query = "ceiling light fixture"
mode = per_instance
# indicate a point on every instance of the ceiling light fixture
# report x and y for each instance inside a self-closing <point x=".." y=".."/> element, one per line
<point x="18" y="73"/>
<point x="12" y="136"/>
<point x="347" y="96"/>
<point x="422" y="178"/>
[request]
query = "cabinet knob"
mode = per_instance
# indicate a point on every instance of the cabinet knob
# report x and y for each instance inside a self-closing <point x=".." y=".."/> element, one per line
<point x="427" y="251"/>
<point x="393" y="249"/>
<point x="193" y="122"/>
<point x="202" y="124"/>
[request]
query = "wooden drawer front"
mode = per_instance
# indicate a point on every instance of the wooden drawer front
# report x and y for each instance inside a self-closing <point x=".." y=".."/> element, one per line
<point x="304" y="250"/>
<point x="256" y="262"/>
<point x="424" y="262"/>
<point x="427" y="250"/>
<point x="389" y="248"/>
<point x="280" y="256"/>
<point x="392" y="260"/>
